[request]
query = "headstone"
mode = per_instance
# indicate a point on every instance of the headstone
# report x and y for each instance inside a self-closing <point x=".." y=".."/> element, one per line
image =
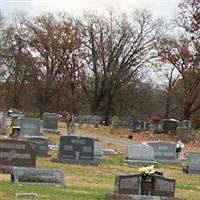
<point x="37" y="176"/>
<point x="76" y="149"/>
<point x="97" y="150"/>
<point x="127" y="184"/>
<point x="115" y="122"/>
<point x="183" y="134"/>
<point x="186" y="123"/>
<point x="109" y="152"/>
<point x="140" y="154"/>
<point x="30" y="127"/>
<point x="193" y="163"/>
<point x="2" y="123"/>
<point x="164" y="151"/>
<point x="50" y="122"/>
<point x="162" y="186"/>
<point x="41" y="144"/>
<point x="135" y="125"/>
<point x="16" y="120"/>
<point x="16" y="153"/>
<point x="169" y="125"/>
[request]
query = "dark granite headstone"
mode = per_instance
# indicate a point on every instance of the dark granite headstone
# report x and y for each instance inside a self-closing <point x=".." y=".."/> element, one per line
<point x="169" y="125"/>
<point x="193" y="163"/>
<point x="135" y="125"/>
<point x="50" y="122"/>
<point x="16" y="153"/>
<point x="30" y="127"/>
<point x="140" y="154"/>
<point x="41" y="144"/>
<point x="164" y="151"/>
<point x="37" y="176"/>
<point x="162" y="186"/>
<point x="127" y="184"/>
<point x="77" y="149"/>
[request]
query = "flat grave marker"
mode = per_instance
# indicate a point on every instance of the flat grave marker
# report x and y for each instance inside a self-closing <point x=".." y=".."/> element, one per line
<point x="37" y="176"/>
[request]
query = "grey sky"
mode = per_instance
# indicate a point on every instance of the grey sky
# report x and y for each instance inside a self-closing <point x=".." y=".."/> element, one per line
<point x="161" y="8"/>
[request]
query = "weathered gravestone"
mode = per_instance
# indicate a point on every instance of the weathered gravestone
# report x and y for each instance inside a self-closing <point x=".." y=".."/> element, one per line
<point x="97" y="150"/>
<point x="193" y="163"/>
<point x="127" y="184"/>
<point x="183" y="134"/>
<point x="140" y="154"/>
<point x="115" y="122"/>
<point x="76" y="150"/>
<point x="164" y="151"/>
<point x="37" y="176"/>
<point x="109" y="152"/>
<point x="169" y="125"/>
<point x="2" y="123"/>
<point x="50" y="122"/>
<point x="16" y="153"/>
<point x="30" y="127"/>
<point x="41" y="144"/>
<point x="186" y="123"/>
<point x="162" y="186"/>
<point x="135" y="125"/>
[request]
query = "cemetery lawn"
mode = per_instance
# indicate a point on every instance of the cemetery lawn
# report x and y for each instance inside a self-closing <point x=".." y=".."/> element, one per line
<point x="91" y="182"/>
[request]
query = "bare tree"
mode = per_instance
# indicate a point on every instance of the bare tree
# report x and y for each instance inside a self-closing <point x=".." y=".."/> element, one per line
<point x="115" y="49"/>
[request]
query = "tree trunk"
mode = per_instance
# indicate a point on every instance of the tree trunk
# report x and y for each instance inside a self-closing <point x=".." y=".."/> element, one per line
<point x="108" y="109"/>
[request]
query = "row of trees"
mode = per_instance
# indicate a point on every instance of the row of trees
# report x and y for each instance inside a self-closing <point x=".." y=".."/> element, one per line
<point x="55" y="62"/>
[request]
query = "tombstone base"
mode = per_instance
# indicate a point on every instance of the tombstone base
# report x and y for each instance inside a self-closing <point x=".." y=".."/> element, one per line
<point x="3" y="132"/>
<point x="86" y="162"/>
<point x="51" y="131"/>
<point x="116" y="196"/>
<point x="169" y="161"/>
<point x="142" y="163"/>
<point x="5" y="169"/>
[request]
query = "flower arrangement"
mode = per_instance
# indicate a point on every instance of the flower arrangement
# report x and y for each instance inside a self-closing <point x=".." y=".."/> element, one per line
<point x="146" y="173"/>
<point x="179" y="146"/>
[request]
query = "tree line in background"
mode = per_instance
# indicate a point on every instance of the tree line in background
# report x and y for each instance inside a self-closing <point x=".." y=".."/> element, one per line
<point x="97" y="64"/>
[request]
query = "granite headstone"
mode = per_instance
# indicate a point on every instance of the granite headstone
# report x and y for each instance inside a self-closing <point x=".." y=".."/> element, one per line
<point x="164" y="151"/>
<point x="16" y="153"/>
<point x="127" y="184"/>
<point x="162" y="186"/>
<point x="50" y="122"/>
<point x="76" y="149"/>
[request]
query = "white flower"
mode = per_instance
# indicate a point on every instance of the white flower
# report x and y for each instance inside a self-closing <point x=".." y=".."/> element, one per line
<point x="179" y="144"/>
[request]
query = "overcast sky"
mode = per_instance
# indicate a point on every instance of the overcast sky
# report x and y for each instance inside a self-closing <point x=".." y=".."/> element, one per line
<point x="161" y="8"/>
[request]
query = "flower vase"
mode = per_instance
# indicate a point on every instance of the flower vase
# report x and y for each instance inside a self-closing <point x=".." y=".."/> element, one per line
<point x="145" y="187"/>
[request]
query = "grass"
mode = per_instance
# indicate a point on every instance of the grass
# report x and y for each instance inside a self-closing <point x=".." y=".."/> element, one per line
<point x="89" y="182"/>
